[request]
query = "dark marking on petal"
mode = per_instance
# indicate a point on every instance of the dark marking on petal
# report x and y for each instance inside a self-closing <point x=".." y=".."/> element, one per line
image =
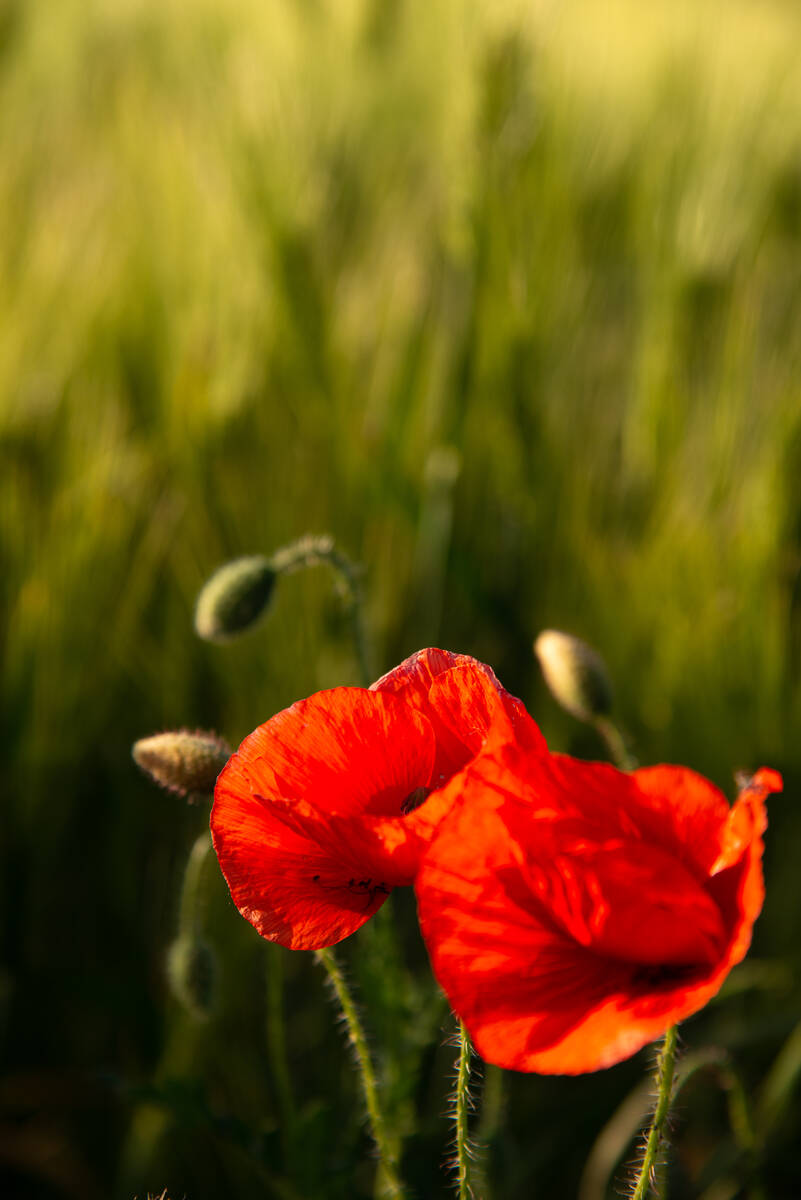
<point x="662" y="975"/>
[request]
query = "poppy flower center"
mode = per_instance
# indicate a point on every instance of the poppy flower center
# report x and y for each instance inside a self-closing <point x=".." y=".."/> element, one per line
<point x="415" y="799"/>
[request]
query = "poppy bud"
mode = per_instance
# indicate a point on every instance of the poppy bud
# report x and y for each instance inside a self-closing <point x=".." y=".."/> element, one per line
<point x="234" y="598"/>
<point x="183" y="762"/>
<point x="191" y="971"/>
<point x="575" y="673"/>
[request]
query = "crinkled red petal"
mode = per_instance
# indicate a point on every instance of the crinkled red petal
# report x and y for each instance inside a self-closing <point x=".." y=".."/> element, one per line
<point x="300" y="819"/>
<point x="555" y="921"/>
<point x="463" y="699"/>
<point x="349" y="751"/>
<point x="305" y="892"/>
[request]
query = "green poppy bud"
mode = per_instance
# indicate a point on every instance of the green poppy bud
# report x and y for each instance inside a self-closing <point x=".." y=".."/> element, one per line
<point x="234" y="598"/>
<point x="575" y="673"/>
<point x="182" y="761"/>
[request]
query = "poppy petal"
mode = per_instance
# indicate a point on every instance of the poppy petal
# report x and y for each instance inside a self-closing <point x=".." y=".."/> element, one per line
<point x="300" y="818"/>
<point x="352" y="750"/>
<point x="462" y="698"/>
<point x="566" y="932"/>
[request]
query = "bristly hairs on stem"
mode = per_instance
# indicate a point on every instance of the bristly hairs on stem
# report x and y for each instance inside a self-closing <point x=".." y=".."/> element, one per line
<point x="646" y="1181"/>
<point x="388" y="1183"/>
<point x="464" y="1153"/>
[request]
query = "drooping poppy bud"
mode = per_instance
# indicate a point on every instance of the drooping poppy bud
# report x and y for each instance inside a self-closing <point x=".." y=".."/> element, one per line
<point x="575" y="673"/>
<point x="183" y="761"/>
<point x="234" y="598"/>
<point x="191" y="971"/>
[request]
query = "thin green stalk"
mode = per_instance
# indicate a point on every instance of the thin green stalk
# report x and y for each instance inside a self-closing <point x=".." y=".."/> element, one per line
<point x="351" y="587"/>
<point x="276" y="1046"/>
<point x="314" y="551"/>
<point x="664" y="1083"/>
<point x="740" y="1115"/>
<point x="742" y="1125"/>
<point x="388" y="1183"/>
<point x="461" y="1107"/>
<point x="191" y="906"/>
<point x="615" y="744"/>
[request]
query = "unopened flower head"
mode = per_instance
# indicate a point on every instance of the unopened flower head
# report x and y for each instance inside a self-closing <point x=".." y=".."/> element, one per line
<point x="183" y="761"/>
<point x="234" y="598"/>
<point x="575" y="673"/>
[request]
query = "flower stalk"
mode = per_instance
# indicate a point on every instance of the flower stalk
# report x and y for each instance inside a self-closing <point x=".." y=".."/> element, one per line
<point x="276" y="1047"/>
<point x="461" y="1108"/>
<point x="313" y="551"/>
<point x="388" y="1183"/>
<point x="191" y="908"/>
<point x="615" y="745"/>
<point x="664" y="1084"/>
<point x="191" y="964"/>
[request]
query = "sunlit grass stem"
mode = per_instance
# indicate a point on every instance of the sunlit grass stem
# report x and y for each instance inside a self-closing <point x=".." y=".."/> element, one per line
<point x="388" y="1183"/>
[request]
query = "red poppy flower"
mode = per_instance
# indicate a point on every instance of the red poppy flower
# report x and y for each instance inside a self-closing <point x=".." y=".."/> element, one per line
<point x="328" y="806"/>
<point x="573" y="912"/>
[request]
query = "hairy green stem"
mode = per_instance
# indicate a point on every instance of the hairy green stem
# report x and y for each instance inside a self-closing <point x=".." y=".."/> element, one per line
<point x="389" y="1184"/>
<point x="664" y="1084"/>
<point x="461" y="1106"/>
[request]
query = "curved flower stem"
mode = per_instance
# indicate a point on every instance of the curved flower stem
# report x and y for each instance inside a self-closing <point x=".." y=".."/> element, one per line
<point x="461" y="1106"/>
<point x="351" y="587"/>
<point x="315" y="551"/>
<point x="664" y="1085"/>
<point x="389" y="1184"/>
<point x="615" y="744"/>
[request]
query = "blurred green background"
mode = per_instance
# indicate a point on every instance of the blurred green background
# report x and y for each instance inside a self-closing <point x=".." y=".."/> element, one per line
<point x="507" y="298"/>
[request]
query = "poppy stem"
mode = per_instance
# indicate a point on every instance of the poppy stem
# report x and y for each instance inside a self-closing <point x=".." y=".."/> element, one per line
<point x="351" y="589"/>
<point x="313" y="551"/>
<point x="615" y="744"/>
<point x="462" y="1103"/>
<point x="388" y="1183"/>
<point x="191" y="892"/>
<point x="276" y="1046"/>
<point x="664" y="1086"/>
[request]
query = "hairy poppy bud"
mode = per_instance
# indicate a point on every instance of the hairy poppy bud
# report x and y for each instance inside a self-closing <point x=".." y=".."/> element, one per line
<point x="234" y="598"/>
<point x="183" y="762"/>
<point x="191" y="971"/>
<point x="575" y="673"/>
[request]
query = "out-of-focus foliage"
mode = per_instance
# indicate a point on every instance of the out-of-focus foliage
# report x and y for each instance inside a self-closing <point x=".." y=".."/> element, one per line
<point x="504" y="296"/>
